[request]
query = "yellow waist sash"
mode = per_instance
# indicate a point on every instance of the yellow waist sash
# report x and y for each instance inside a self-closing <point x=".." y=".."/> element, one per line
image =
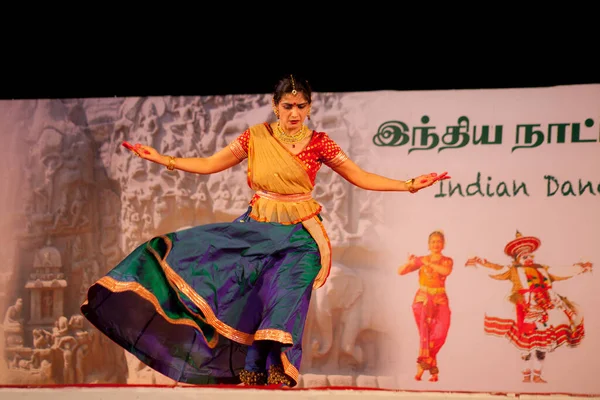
<point x="283" y="208"/>
<point x="432" y="290"/>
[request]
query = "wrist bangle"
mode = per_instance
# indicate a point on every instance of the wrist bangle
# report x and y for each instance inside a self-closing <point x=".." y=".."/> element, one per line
<point x="171" y="165"/>
<point x="411" y="188"/>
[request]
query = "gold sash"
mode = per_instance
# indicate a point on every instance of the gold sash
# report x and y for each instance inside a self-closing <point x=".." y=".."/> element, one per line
<point x="283" y="191"/>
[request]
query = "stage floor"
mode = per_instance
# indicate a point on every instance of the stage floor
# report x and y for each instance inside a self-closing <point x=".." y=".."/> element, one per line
<point x="231" y="393"/>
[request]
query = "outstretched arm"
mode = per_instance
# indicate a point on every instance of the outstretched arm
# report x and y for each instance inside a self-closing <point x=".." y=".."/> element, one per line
<point x="219" y="161"/>
<point x="580" y="268"/>
<point x="483" y="262"/>
<point x="370" y="181"/>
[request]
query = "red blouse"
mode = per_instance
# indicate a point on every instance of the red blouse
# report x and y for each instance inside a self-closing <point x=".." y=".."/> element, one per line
<point x="320" y="150"/>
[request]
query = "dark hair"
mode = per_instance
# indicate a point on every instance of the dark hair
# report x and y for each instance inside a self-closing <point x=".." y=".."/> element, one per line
<point x="437" y="233"/>
<point x="285" y="86"/>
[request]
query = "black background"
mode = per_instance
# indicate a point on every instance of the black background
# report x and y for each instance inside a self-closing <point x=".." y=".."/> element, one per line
<point x="158" y="62"/>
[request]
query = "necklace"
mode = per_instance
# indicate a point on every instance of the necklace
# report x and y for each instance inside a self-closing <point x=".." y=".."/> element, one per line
<point x="291" y="139"/>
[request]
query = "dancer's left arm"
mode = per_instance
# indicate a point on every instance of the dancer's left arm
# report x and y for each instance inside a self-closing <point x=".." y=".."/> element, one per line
<point x="370" y="181"/>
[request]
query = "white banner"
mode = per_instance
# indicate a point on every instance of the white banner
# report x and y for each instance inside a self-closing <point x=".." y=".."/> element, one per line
<point x="520" y="160"/>
<point x="523" y="160"/>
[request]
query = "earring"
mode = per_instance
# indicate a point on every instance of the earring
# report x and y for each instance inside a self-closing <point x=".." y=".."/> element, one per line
<point x="308" y="115"/>
<point x="275" y="110"/>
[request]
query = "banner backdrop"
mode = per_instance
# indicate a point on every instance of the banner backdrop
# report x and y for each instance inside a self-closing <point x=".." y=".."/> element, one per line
<point x="509" y="308"/>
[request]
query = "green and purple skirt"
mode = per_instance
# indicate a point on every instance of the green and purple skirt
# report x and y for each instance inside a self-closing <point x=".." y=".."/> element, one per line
<point x="189" y="304"/>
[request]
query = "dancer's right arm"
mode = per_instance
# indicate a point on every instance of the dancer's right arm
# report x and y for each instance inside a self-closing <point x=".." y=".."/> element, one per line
<point x="413" y="264"/>
<point x="219" y="161"/>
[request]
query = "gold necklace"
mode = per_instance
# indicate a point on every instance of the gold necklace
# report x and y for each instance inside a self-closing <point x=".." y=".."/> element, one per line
<point x="291" y="139"/>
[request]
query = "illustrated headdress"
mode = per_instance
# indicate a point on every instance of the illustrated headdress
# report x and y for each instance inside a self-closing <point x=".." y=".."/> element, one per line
<point x="521" y="244"/>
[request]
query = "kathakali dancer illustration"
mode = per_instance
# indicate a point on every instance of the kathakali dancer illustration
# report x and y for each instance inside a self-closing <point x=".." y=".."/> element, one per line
<point x="431" y="307"/>
<point x="542" y="320"/>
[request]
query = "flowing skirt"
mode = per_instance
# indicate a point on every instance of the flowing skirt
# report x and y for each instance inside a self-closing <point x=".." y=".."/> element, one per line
<point x="547" y="328"/>
<point x="189" y="303"/>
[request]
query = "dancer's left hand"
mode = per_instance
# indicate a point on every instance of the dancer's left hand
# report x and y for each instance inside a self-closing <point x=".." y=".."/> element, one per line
<point x="424" y="181"/>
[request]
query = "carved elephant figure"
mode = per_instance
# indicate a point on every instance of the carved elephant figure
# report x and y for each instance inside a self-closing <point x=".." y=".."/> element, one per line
<point x="347" y="305"/>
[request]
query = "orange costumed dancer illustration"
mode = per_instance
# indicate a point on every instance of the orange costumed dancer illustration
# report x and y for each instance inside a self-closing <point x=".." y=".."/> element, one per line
<point x="431" y="307"/>
<point x="543" y="320"/>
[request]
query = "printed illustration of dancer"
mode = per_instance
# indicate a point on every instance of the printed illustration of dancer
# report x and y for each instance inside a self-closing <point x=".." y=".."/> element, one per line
<point x="543" y="320"/>
<point x="430" y="306"/>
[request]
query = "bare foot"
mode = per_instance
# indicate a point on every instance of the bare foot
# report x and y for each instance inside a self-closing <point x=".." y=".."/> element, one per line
<point x="538" y="379"/>
<point x="433" y="378"/>
<point x="419" y="374"/>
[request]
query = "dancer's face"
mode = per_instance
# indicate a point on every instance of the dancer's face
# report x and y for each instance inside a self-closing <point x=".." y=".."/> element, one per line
<point x="526" y="259"/>
<point x="436" y="243"/>
<point x="292" y="110"/>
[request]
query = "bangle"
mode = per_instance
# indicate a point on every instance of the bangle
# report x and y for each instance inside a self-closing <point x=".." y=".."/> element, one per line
<point x="171" y="165"/>
<point x="411" y="188"/>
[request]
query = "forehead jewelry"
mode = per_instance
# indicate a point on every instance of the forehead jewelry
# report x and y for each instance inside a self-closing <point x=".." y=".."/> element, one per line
<point x="294" y="91"/>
